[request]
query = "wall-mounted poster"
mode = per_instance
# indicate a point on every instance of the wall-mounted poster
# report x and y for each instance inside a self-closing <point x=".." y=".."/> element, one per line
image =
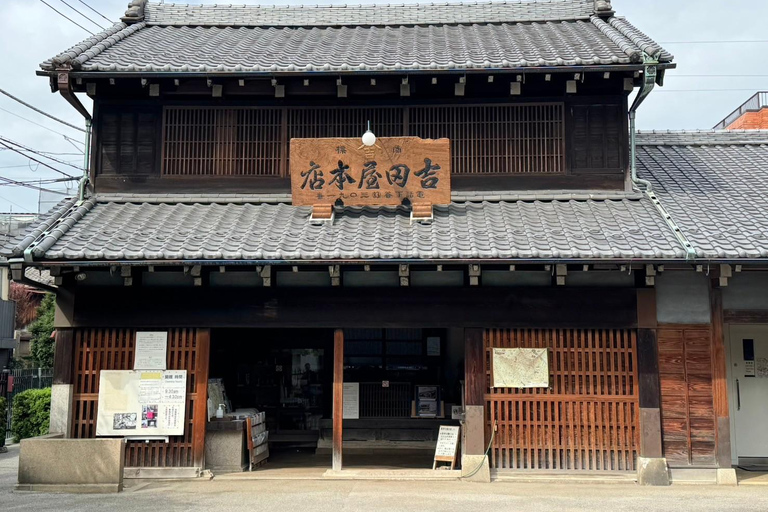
<point x="151" y="349"/>
<point x="520" y="368"/>
<point x="136" y="403"/>
<point x="351" y="409"/>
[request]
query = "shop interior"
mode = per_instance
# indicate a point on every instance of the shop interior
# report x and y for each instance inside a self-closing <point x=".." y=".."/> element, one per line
<point x="400" y="385"/>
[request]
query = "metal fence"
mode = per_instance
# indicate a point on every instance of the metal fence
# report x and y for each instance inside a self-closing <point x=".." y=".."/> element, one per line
<point x="13" y="382"/>
<point x="753" y="104"/>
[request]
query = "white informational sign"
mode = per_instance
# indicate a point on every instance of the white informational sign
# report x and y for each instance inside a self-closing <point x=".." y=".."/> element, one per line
<point x="749" y="368"/>
<point x="447" y="445"/>
<point x="137" y="403"/>
<point x="151" y="347"/>
<point x="351" y="409"/>
<point x="520" y="368"/>
<point x="457" y="412"/>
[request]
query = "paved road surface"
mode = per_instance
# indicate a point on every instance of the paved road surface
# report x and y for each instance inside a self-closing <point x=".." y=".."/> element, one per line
<point x="336" y="496"/>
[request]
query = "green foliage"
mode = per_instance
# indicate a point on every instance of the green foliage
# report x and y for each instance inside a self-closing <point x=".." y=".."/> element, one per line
<point x="42" y="344"/>
<point x="3" y="412"/>
<point x="31" y="414"/>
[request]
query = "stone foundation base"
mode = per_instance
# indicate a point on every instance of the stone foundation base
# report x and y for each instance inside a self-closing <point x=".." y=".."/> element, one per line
<point x="477" y="464"/>
<point x="652" y="471"/>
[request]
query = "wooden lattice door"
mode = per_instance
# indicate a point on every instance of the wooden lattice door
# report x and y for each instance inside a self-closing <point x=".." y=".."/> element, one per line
<point x="586" y="420"/>
<point x="113" y="349"/>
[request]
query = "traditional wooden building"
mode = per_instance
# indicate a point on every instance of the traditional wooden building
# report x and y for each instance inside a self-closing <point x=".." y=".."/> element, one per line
<point x="635" y="264"/>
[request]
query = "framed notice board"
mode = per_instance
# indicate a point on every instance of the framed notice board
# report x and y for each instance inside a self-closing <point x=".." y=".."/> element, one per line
<point x="447" y="446"/>
<point x="136" y="403"/>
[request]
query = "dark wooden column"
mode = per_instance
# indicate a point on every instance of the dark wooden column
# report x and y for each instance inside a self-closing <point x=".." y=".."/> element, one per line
<point x="720" y="382"/>
<point x="649" y="387"/>
<point x="474" y="393"/>
<point x="338" y="397"/>
<point x="64" y="357"/>
<point x="200" y="413"/>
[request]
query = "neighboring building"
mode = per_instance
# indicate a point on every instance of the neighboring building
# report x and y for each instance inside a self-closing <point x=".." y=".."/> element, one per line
<point x="751" y="115"/>
<point x="640" y="296"/>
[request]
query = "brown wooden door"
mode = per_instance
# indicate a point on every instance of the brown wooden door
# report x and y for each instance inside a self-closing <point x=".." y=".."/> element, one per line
<point x="586" y="420"/>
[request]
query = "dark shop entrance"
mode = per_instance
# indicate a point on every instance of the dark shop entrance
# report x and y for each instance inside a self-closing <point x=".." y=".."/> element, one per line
<point x="398" y="388"/>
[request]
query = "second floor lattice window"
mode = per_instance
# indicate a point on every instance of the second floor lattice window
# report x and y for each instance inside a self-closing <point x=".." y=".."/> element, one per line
<point x="254" y="141"/>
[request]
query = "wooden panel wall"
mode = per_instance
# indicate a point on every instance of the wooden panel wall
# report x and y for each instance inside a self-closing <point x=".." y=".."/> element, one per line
<point x="687" y="411"/>
<point x="596" y="136"/>
<point x="128" y="141"/>
<point x="586" y="420"/>
<point x="113" y="349"/>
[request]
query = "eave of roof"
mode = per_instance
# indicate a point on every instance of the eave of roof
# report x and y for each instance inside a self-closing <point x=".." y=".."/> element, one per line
<point x="461" y="42"/>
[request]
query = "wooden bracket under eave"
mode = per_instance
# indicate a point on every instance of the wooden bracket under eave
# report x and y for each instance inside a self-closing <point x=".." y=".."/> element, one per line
<point x="321" y="213"/>
<point x="422" y="212"/>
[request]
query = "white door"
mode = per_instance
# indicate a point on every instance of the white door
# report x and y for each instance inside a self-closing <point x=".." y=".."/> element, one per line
<point x="749" y="390"/>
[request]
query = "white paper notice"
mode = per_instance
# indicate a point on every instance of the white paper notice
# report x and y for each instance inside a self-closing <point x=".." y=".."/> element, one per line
<point x="351" y="409"/>
<point x="447" y="441"/>
<point x="151" y="347"/>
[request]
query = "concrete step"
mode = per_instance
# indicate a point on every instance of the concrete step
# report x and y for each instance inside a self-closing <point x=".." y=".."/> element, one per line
<point x="392" y="474"/>
<point x="586" y="477"/>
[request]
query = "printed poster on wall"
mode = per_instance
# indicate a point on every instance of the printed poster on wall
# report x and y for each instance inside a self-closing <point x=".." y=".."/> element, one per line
<point x="520" y="368"/>
<point x="151" y="348"/>
<point x="138" y="403"/>
<point x="351" y="410"/>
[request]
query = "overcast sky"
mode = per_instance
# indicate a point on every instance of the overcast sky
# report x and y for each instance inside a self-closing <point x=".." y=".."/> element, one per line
<point x="708" y="84"/>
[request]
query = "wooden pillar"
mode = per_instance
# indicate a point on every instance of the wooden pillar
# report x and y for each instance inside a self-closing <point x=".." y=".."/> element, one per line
<point x="338" y="397"/>
<point x="62" y="390"/>
<point x="474" y="393"/>
<point x="200" y="413"/>
<point x="64" y="357"/>
<point x="649" y="387"/>
<point x="720" y="382"/>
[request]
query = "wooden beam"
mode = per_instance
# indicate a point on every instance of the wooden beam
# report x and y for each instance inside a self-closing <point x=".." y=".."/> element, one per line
<point x="649" y="384"/>
<point x="200" y="413"/>
<point x="340" y="307"/>
<point x="474" y="367"/>
<point x="720" y="381"/>
<point x="745" y="316"/>
<point x="63" y="357"/>
<point x="338" y="398"/>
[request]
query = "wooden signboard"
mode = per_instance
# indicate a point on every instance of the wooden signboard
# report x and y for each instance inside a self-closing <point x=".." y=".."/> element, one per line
<point x="394" y="169"/>
<point x="447" y="446"/>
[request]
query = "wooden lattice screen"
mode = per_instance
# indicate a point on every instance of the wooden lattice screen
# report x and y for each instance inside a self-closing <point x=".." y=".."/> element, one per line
<point x="498" y="138"/>
<point x="586" y="420"/>
<point x="253" y="141"/>
<point x="113" y="349"/>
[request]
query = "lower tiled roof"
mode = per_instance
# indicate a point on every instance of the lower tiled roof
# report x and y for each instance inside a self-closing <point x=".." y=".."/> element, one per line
<point x="112" y="228"/>
<point x="714" y="185"/>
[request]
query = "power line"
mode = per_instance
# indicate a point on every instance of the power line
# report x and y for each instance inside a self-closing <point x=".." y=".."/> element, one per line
<point x="81" y="14"/>
<point x="36" y="152"/>
<point x="46" y="114"/>
<point x="27" y="185"/>
<point x="66" y="17"/>
<point x="32" y="182"/>
<point x="35" y="160"/>
<point x="94" y="10"/>
<point x="675" y="75"/>
<point x="15" y="204"/>
<point x="705" y="90"/>
<point x="736" y="41"/>
<point x="41" y="126"/>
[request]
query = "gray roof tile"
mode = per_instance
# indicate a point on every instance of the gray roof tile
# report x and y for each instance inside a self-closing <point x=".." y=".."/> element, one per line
<point x="714" y="185"/>
<point x="257" y="39"/>
<point x="382" y="14"/>
<point x="211" y="229"/>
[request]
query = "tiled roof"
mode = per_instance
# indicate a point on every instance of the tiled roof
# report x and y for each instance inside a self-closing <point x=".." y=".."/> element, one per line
<point x="222" y="228"/>
<point x="714" y="185"/>
<point x="370" y="15"/>
<point x="257" y="39"/>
